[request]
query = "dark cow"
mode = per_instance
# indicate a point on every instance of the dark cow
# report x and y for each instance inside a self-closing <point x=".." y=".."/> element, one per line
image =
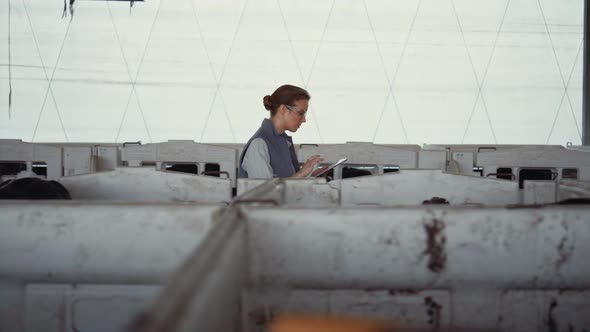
<point x="33" y="188"/>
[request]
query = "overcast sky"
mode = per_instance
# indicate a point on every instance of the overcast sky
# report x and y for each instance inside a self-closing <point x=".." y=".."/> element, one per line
<point x="383" y="71"/>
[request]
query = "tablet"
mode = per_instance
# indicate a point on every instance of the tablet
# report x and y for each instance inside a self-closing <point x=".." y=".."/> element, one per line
<point x="323" y="170"/>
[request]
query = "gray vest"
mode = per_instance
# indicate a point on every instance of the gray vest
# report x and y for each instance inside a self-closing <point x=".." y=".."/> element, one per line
<point x="283" y="159"/>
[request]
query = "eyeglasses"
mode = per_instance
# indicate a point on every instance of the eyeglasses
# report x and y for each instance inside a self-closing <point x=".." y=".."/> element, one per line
<point x="301" y="113"/>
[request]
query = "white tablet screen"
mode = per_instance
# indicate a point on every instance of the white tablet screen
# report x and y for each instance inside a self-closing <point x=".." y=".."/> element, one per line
<point x="323" y="170"/>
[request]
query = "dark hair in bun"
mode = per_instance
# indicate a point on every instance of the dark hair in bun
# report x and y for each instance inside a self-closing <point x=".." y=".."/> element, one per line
<point x="267" y="101"/>
<point x="284" y="95"/>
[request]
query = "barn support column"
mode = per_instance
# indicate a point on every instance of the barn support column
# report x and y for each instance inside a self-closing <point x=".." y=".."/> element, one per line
<point x="586" y="81"/>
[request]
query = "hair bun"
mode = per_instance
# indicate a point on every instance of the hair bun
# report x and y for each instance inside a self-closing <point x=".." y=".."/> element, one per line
<point x="267" y="102"/>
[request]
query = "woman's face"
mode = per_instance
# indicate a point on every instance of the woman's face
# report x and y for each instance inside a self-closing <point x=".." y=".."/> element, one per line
<point x="295" y="114"/>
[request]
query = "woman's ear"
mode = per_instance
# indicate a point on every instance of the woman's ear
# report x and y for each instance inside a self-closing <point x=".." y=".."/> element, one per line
<point x="283" y="109"/>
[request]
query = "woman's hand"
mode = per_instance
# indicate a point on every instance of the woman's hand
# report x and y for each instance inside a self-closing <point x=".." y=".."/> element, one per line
<point x="308" y="166"/>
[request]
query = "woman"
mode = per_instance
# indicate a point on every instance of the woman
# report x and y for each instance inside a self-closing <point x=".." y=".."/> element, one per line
<point x="270" y="152"/>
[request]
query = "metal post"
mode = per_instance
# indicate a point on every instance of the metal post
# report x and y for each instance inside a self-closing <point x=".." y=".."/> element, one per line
<point x="586" y="81"/>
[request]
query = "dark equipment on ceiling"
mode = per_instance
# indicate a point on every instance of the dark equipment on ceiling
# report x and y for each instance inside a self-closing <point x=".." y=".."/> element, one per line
<point x="71" y="5"/>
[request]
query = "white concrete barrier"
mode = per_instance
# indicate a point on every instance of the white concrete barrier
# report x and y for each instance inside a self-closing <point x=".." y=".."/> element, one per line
<point x="245" y="185"/>
<point x="79" y="160"/>
<point x="59" y="159"/>
<point x="378" y="158"/>
<point x="549" y="192"/>
<point x="184" y="152"/>
<point x="561" y="163"/>
<point x="418" y="247"/>
<point x="205" y="293"/>
<point x="72" y="266"/>
<point x="298" y="192"/>
<point x="407" y="187"/>
<point x="142" y="184"/>
<point x="435" y="268"/>
<point x="47" y="158"/>
<point x="572" y="189"/>
<point x="108" y="157"/>
<point x="443" y="268"/>
<point x="539" y="192"/>
<point x="412" y="187"/>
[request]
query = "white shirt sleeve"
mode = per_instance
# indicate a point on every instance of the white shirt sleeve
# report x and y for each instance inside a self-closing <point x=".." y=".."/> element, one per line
<point x="257" y="160"/>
